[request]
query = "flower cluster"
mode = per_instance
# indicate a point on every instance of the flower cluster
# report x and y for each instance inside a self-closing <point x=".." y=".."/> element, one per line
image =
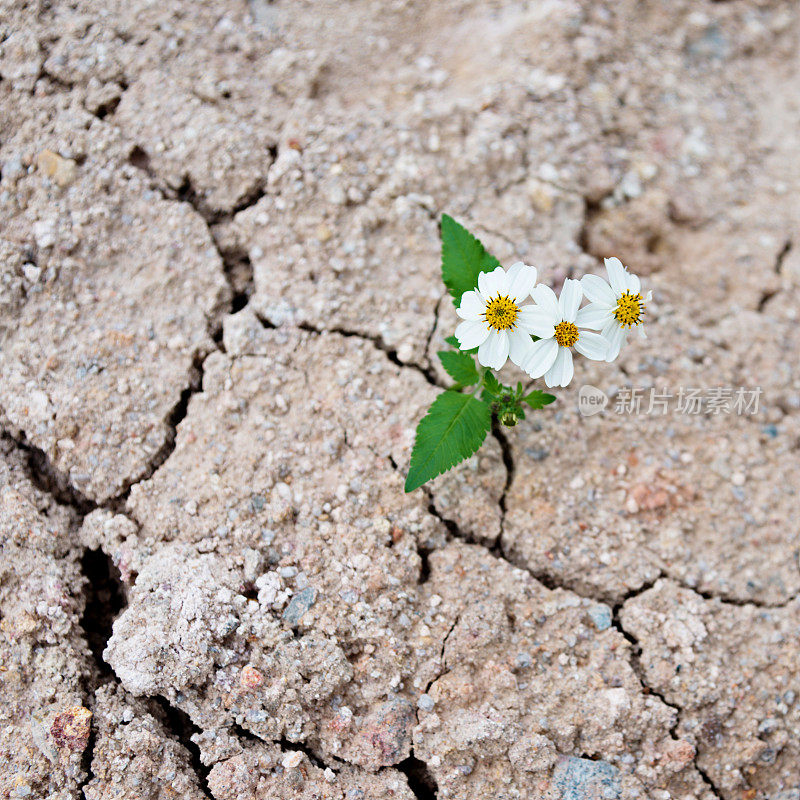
<point x="497" y="324"/>
<point x="540" y="337"/>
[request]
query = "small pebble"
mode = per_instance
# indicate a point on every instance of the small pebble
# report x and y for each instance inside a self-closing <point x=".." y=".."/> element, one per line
<point x="32" y="272"/>
<point x="250" y="677"/>
<point x="299" y="604"/>
<point x="71" y="728"/>
<point x="62" y="171"/>
<point x="523" y="660"/>
<point x="426" y="702"/>
<point x="292" y="760"/>
<point x="601" y="617"/>
<point x="537" y="454"/>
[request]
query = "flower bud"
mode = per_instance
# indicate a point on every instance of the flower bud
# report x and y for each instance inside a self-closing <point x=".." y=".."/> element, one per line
<point x="509" y="418"/>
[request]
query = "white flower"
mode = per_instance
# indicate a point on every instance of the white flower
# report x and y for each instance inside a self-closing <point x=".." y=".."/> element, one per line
<point x="556" y="322"/>
<point x="614" y="307"/>
<point x="494" y="320"/>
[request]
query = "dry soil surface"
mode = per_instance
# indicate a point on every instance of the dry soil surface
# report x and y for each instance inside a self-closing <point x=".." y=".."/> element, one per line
<point x="220" y="308"/>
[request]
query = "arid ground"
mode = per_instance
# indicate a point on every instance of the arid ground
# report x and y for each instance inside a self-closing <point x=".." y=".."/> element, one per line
<point x="220" y="307"/>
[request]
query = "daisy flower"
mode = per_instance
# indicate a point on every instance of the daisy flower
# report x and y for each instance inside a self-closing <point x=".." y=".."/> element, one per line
<point x="615" y="305"/>
<point x="556" y="321"/>
<point x="494" y="320"/>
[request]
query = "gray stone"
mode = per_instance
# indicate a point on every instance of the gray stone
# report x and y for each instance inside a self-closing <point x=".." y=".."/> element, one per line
<point x="298" y="605"/>
<point x="582" y="779"/>
<point x="601" y="617"/>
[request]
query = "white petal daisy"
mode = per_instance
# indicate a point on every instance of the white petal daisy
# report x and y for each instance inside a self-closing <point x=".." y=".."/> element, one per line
<point x="557" y="321"/>
<point x="615" y="305"/>
<point x="494" y="320"/>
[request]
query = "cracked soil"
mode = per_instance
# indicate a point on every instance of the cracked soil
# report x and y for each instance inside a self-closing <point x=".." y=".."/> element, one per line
<point x="220" y="307"/>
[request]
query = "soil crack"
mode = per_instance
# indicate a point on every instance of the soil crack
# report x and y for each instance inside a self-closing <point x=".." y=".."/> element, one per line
<point x="45" y="477"/>
<point x="375" y="340"/>
<point x="638" y="668"/>
<point x="49" y="479"/>
<point x="175" y="417"/>
<point x="104" y="600"/>
<point x="778" y="269"/>
<point x="706" y="780"/>
<point x="419" y="777"/>
<point x="781" y="257"/>
<point x="508" y="463"/>
<point x="236" y="264"/>
<point x="181" y="727"/>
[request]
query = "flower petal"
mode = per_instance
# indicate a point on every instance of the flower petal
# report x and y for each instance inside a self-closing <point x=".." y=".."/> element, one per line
<point x="594" y="316"/>
<point x="570" y="300"/>
<point x="535" y="320"/>
<point x="596" y="290"/>
<point x="592" y="345"/>
<point x="546" y="299"/>
<point x="494" y="351"/>
<point x="615" y="334"/>
<point x="472" y="306"/>
<point x="540" y="357"/>
<point x="616" y="276"/>
<point x="634" y="284"/>
<point x="521" y="280"/>
<point x="471" y="333"/>
<point x="520" y="344"/>
<point x="491" y="284"/>
<point x="560" y="374"/>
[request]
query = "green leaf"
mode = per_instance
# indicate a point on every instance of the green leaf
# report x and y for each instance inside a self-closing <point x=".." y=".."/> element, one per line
<point x="492" y="385"/>
<point x="452" y="430"/>
<point x="463" y="258"/>
<point x="459" y="366"/>
<point x="538" y="399"/>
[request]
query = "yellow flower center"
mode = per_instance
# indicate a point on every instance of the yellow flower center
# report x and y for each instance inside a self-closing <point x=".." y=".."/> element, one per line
<point x="630" y="309"/>
<point x="501" y="313"/>
<point x="566" y="334"/>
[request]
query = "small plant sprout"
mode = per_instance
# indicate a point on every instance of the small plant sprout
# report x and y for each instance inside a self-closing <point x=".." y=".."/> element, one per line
<point x="498" y="325"/>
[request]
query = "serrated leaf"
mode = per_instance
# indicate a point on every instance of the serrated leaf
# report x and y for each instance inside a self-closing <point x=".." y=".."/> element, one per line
<point x="492" y="385"/>
<point x="463" y="259"/>
<point x="452" y="430"/>
<point x="538" y="399"/>
<point x="459" y="366"/>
